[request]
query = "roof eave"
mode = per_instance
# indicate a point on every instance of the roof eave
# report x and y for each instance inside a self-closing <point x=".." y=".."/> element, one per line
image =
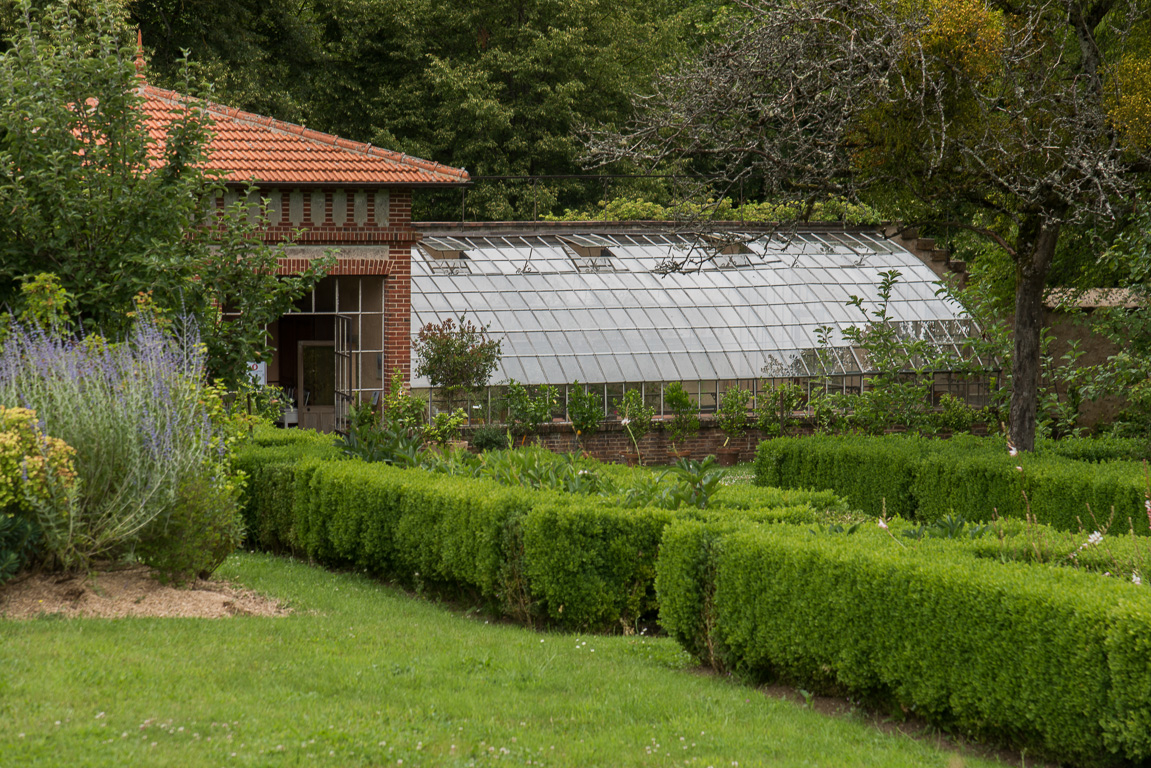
<point x="346" y="184"/>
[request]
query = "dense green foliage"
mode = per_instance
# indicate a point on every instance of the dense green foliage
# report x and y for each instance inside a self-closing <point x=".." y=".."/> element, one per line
<point x="534" y="538"/>
<point x="585" y="411"/>
<point x="1048" y="658"/>
<point x="115" y="216"/>
<point x="923" y="479"/>
<point x="497" y="88"/>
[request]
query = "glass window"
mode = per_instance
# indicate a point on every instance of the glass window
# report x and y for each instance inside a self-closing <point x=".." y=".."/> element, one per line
<point x="348" y="288"/>
<point x="707" y="396"/>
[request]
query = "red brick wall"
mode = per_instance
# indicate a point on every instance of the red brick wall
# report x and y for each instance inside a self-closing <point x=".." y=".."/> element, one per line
<point x="398" y="315"/>
<point x="611" y="442"/>
<point x="334" y="223"/>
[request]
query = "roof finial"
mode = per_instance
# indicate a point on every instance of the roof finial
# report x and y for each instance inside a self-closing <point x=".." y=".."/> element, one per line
<point x="139" y="53"/>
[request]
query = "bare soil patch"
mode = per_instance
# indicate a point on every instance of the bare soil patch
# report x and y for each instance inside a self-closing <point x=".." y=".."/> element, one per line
<point x="128" y="592"/>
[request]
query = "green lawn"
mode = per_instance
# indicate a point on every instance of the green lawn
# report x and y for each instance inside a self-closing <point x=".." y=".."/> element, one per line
<point x="362" y="675"/>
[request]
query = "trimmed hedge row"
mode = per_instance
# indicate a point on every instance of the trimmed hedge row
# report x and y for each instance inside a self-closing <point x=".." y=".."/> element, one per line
<point x="1052" y="658"/>
<point x="579" y="561"/>
<point x="924" y="479"/>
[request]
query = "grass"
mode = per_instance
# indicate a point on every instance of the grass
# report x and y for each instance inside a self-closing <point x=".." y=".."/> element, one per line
<point x="362" y="675"/>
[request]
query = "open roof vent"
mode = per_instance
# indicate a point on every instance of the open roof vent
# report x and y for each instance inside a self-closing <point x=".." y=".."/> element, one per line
<point x="590" y="253"/>
<point x="730" y="250"/>
<point x="446" y="255"/>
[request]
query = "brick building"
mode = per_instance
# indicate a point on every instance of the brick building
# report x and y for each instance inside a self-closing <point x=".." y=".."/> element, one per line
<point x="342" y="341"/>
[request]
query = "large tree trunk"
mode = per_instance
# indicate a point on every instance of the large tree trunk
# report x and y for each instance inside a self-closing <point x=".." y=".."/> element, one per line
<point x="1032" y="263"/>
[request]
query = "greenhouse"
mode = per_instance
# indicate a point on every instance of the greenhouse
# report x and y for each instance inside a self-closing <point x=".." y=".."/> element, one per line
<point x="616" y="308"/>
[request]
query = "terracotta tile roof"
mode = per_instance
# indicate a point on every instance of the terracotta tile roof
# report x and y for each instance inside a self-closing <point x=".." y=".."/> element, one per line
<point x="263" y="150"/>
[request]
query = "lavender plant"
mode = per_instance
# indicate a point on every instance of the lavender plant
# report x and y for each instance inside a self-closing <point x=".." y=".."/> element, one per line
<point x="137" y="415"/>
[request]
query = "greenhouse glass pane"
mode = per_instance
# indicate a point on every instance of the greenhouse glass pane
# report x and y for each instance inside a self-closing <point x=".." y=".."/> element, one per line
<point x="701" y="363"/>
<point x="733" y="317"/>
<point x="589" y="371"/>
<point x="513" y="300"/>
<point x="656" y="317"/>
<point x="564" y="319"/>
<point x="533" y="372"/>
<point x="706" y="336"/>
<point x="610" y="367"/>
<point x="684" y="367"/>
<point x="620" y="318"/>
<point x="561" y="344"/>
<point x="597" y="342"/>
<point x="578" y="342"/>
<point x="643" y="341"/>
<point x="692" y="316"/>
<point x="554" y="372"/>
<point x="525" y="320"/>
<point x="547" y="321"/>
<point x="630" y="367"/>
<point x="539" y="344"/>
<point x="613" y="341"/>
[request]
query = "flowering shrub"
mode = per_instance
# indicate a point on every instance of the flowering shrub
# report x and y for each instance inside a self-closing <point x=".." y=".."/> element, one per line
<point x="30" y="461"/>
<point x="36" y="479"/>
<point x="144" y="428"/>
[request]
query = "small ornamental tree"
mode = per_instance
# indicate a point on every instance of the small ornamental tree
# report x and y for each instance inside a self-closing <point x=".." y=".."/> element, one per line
<point x="585" y="409"/>
<point x="732" y="415"/>
<point x="456" y="359"/>
<point x="685" y="414"/>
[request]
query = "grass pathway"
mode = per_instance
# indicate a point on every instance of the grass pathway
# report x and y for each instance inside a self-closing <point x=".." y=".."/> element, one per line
<point x="362" y="675"/>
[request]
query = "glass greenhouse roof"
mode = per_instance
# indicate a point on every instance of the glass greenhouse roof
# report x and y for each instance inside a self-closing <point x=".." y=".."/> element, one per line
<point x="604" y="308"/>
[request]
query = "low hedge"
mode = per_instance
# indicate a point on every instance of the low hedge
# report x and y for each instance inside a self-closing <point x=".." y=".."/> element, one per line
<point x="874" y="474"/>
<point x="1052" y="658"/>
<point x="1106" y="448"/>
<point x="268" y="462"/>
<point x="979" y="635"/>
<point x="924" y="479"/>
<point x="577" y="561"/>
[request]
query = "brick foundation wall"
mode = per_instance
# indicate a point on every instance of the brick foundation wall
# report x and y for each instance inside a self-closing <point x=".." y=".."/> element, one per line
<point x="611" y="442"/>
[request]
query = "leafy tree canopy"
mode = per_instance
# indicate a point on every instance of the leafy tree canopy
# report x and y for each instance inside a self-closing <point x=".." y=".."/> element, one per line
<point x="1012" y="121"/>
<point x="497" y="87"/>
<point x="91" y="198"/>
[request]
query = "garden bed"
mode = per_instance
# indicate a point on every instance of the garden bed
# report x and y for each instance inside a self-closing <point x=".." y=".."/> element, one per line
<point x="135" y="591"/>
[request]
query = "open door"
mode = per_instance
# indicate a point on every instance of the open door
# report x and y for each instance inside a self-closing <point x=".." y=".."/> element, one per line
<point x="316" y="393"/>
<point x="344" y="373"/>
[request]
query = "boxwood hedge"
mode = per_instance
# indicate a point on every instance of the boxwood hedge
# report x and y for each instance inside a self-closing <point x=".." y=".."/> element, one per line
<point x="925" y="479"/>
<point x="1049" y="658"/>
<point x="982" y="635"/>
<point x="577" y="561"/>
